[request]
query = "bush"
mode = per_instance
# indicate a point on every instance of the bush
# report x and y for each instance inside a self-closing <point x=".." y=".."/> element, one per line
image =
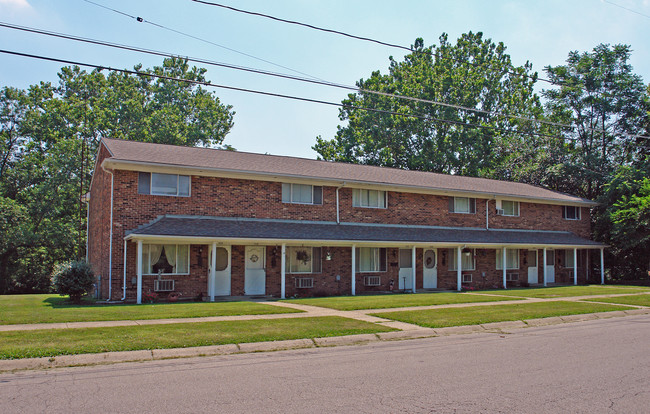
<point x="73" y="278"/>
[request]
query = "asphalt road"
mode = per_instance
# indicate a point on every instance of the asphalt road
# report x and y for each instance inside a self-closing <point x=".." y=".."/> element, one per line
<point x="592" y="367"/>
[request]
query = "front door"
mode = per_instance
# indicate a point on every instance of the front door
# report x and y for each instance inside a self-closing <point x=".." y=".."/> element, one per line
<point x="550" y="266"/>
<point x="405" y="269"/>
<point x="255" y="273"/>
<point x="220" y="286"/>
<point x="430" y="271"/>
<point x="532" y="267"/>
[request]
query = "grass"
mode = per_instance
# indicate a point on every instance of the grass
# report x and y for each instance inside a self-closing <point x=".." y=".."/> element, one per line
<point x="567" y="291"/>
<point x="26" y="309"/>
<point x="395" y="300"/>
<point x="53" y="342"/>
<point x="639" y="300"/>
<point x="475" y="315"/>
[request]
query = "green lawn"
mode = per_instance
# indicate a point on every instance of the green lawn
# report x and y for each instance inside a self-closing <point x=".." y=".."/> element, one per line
<point x="397" y="300"/>
<point x="475" y="315"/>
<point x="15" y="309"/>
<point x="566" y="291"/>
<point x="53" y="342"/>
<point x="639" y="300"/>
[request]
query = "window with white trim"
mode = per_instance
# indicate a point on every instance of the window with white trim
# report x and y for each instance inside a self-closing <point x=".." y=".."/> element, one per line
<point x="510" y="208"/>
<point x="463" y="205"/>
<point x="165" y="258"/>
<point x="302" y="193"/>
<point x="370" y="259"/>
<point x="368" y="198"/>
<point x="164" y="184"/>
<point x="571" y="212"/>
<point x="467" y="256"/>
<point x="303" y="259"/>
<point x="512" y="259"/>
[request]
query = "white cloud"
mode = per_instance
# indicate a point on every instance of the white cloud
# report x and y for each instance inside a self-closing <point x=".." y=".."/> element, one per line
<point x="15" y="4"/>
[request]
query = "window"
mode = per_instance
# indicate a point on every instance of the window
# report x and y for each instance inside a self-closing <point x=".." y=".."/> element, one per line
<point x="368" y="198"/>
<point x="510" y="208"/>
<point x="512" y="259"/>
<point x="568" y="258"/>
<point x="370" y="259"/>
<point x="467" y="278"/>
<point x="467" y="256"/>
<point x="303" y="260"/>
<point x="462" y="205"/>
<point x="165" y="258"/>
<point x="302" y="194"/>
<point x="164" y="184"/>
<point x="571" y="212"/>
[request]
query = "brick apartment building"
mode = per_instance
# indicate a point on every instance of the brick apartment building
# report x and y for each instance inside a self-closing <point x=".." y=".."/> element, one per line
<point x="207" y="223"/>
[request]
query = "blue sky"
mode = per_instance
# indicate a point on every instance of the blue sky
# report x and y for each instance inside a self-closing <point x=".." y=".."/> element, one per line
<point x="542" y="32"/>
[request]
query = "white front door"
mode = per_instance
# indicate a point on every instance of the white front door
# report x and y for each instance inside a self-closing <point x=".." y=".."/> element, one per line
<point x="550" y="266"/>
<point x="532" y="267"/>
<point x="220" y="286"/>
<point x="430" y="271"/>
<point x="405" y="269"/>
<point x="255" y="273"/>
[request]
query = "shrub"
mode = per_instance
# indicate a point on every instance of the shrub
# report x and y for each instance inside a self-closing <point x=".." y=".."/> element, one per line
<point x="73" y="278"/>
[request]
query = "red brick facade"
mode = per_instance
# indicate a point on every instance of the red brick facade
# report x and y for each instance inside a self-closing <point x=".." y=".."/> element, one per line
<point x="229" y="197"/>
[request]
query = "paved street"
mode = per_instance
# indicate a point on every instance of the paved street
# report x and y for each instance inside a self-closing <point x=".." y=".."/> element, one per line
<point x="592" y="366"/>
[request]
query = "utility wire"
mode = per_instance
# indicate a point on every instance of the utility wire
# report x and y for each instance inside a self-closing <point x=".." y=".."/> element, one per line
<point x="367" y="39"/>
<point x="293" y="97"/>
<point x="143" y="20"/>
<point x="291" y="77"/>
<point x="625" y="8"/>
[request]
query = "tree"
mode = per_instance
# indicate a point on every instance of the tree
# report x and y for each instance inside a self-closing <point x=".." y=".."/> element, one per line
<point x="474" y="73"/>
<point x="74" y="279"/>
<point x="606" y="105"/>
<point x="49" y="138"/>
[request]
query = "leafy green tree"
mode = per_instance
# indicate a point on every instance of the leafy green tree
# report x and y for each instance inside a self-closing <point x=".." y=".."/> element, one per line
<point x="474" y="73"/>
<point x="49" y="136"/>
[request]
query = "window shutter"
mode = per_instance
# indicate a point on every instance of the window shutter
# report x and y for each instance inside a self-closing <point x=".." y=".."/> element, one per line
<point x="472" y="205"/>
<point x="563" y="212"/>
<point x="286" y="193"/>
<point x="144" y="183"/>
<point x="451" y="204"/>
<point x="316" y="260"/>
<point x="318" y="194"/>
<point x="356" y="261"/>
<point x="382" y="259"/>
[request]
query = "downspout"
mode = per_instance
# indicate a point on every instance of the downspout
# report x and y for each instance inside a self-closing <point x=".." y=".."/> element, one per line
<point x="110" y="246"/>
<point x="124" y="282"/>
<point x="487" y="214"/>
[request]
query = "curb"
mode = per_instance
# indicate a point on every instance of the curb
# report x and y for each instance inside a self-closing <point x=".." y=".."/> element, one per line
<point x="11" y="365"/>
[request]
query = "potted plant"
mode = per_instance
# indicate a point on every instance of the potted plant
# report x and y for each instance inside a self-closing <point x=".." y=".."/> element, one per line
<point x="173" y="297"/>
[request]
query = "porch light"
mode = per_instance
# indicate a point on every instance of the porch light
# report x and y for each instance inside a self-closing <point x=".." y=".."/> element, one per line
<point x="328" y="255"/>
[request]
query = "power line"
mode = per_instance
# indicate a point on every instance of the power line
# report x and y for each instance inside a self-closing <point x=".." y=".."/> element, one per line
<point x="143" y="20"/>
<point x="625" y="8"/>
<point x="293" y="97"/>
<point x="367" y="39"/>
<point x="291" y="77"/>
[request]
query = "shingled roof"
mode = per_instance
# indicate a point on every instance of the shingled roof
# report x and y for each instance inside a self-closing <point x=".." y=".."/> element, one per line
<point x="133" y="152"/>
<point x="295" y="230"/>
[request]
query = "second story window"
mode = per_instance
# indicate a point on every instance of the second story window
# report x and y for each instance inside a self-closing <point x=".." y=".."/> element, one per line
<point x="571" y="212"/>
<point x="302" y="193"/>
<point x="510" y="208"/>
<point x="164" y="184"/>
<point x="462" y="205"/>
<point x="368" y="198"/>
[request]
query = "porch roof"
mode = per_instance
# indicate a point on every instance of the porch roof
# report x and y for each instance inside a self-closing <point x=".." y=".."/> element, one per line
<point x="249" y="229"/>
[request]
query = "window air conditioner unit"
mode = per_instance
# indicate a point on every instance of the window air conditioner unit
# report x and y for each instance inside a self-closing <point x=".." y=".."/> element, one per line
<point x="499" y="211"/>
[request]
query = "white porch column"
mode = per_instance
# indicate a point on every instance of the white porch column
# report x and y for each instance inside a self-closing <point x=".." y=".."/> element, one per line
<point x="283" y="271"/>
<point x="575" y="266"/>
<point x="213" y="270"/>
<point x="413" y="266"/>
<point x="544" y="266"/>
<point x="139" y="273"/>
<point x="602" y="266"/>
<point x="459" y="268"/>
<point x="505" y="268"/>
<point x="354" y="267"/>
